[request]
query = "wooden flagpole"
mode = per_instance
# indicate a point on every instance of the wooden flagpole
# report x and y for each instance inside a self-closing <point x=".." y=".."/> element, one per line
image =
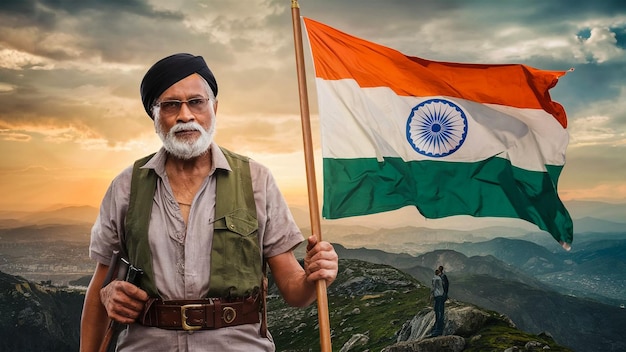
<point x="322" y="298"/>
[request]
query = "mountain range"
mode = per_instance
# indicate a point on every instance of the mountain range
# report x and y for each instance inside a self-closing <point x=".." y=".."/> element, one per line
<point x="588" y="216"/>
<point x="61" y="215"/>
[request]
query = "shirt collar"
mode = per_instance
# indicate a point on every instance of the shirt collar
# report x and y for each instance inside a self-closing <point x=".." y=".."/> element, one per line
<point x="157" y="162"/>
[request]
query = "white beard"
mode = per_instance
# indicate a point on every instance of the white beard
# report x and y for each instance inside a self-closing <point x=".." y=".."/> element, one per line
<point x="186" y="149"/>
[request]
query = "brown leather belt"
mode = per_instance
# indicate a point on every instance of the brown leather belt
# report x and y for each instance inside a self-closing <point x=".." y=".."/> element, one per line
<point x="210" y="313"/>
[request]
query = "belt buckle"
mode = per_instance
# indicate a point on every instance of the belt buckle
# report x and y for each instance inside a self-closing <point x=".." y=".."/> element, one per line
<point x="183" y="315"/>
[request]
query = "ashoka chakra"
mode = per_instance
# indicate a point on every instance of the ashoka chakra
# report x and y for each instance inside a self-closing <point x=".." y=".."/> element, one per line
<point x="436" y="128"/>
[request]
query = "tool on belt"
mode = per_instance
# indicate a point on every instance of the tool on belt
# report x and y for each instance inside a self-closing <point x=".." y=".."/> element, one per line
<point x="122" y="269"/>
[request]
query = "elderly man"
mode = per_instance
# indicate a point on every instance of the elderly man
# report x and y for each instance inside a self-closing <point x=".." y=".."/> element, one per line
<point x="201" y="222"/>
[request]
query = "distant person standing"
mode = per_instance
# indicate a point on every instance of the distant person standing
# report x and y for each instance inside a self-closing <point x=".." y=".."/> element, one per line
<point x="445" y="282"/>
<point x="438" y="294"/>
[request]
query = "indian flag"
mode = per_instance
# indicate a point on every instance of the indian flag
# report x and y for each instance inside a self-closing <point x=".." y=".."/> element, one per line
<point x="447" y="138"/>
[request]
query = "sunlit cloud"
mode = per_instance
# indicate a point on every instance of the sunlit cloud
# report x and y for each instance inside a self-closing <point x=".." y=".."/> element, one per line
<point x="59" y="42"/>
<point x="98" y="65"/>
<point x="601" y="46"/>
<point x="73" y="114"/>
<point x="48" y="133"/>
<point x="6" y="88"/>
<point x="10" y="136"/>
<point x="447" y="39"/>
<point x="545" y="46"/>
<point x="17" y="60"/>
<point x="593" y="130"/>
<point x="85" y="139"/>
<point x="600" y="123"/>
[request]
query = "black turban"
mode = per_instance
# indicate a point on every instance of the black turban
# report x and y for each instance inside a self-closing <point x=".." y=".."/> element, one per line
<point x="170" y="70"/>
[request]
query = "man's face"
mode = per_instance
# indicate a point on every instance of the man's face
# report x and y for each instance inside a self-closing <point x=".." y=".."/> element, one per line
<point x="186" y="132"/>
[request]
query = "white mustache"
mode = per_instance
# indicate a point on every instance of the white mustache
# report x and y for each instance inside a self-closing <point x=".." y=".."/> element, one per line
<point x="187" y="126"/>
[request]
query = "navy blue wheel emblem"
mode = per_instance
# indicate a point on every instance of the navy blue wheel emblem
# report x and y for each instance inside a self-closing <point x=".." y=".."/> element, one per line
<point x="436" y="128"/>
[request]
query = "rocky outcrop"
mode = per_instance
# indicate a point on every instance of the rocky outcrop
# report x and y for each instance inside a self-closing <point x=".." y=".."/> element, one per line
<point x="358" y="340"/>
<point x="464" y="325"/>
<point x="459" y="320"/>
<point x="450" y="343"/>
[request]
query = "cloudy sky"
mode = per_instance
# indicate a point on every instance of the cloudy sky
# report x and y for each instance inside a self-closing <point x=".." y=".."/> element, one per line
<point x="71" y="117"/>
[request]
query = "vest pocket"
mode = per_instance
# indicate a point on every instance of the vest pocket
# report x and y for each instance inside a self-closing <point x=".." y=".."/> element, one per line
<point x="240" y="222"/>
<point x="236" y="268"/>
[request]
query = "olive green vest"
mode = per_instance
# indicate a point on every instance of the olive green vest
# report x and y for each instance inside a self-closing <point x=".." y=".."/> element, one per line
<point x="236" y="263"/>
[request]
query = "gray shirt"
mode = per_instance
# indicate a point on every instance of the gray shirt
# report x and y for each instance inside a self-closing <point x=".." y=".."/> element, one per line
<point x="437" y="286"/>
<point x="181" y="254"/>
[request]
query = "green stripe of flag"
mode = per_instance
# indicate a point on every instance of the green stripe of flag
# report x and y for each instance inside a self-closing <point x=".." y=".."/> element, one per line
<point x="488" y="188"/>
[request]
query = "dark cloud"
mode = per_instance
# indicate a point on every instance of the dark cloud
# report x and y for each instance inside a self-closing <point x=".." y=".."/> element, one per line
<point x="589" y="83"/>
<point x="26" y="13"/>
<point x="378" y="19"/>
<point x="576" y="8"/>
<point x="34" y="8"/>
<point x="97" y="23"/>
<point x="620" y="36"/>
